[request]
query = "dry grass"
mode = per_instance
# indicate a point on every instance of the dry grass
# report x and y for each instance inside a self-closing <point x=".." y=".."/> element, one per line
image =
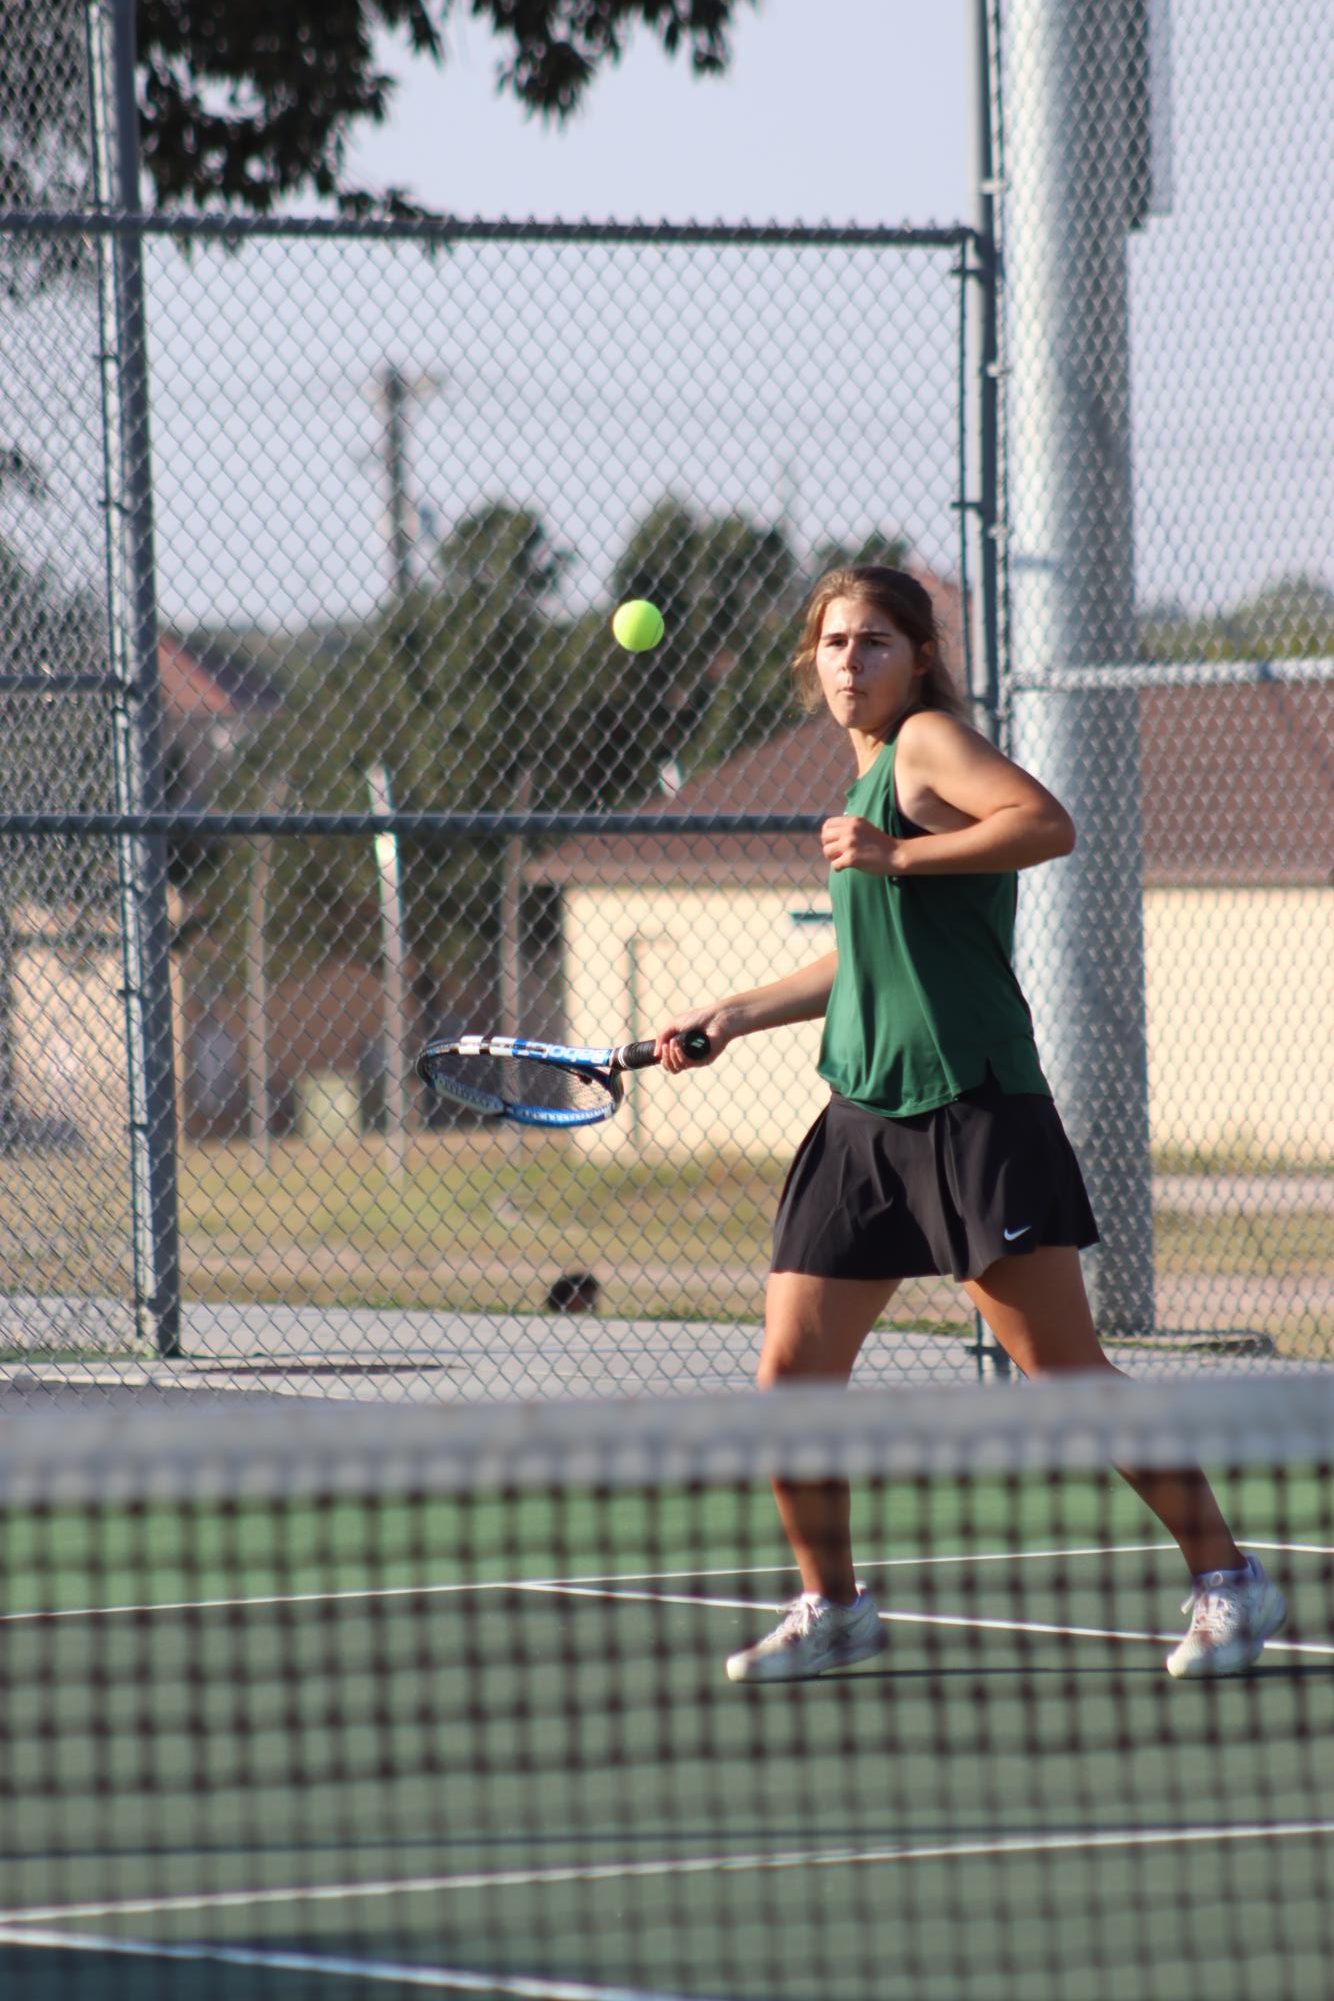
<point x="65" y="1219"/>
<point x="484" y="1221"/>
<point x="474" y="1223"/>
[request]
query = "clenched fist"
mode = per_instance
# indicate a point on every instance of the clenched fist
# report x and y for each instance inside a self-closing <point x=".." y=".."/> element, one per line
<point x="849" y="842"/>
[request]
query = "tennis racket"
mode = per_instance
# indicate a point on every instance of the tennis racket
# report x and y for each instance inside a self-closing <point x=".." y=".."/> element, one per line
<point x="538" y="1083"/>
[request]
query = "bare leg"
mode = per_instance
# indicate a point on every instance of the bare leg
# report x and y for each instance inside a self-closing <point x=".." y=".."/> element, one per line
<point x="813" y="1332"/>
<point x="1038" y="1310"/>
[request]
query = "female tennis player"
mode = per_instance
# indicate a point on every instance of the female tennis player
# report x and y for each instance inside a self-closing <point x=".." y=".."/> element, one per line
<point x="940" y="1149"/>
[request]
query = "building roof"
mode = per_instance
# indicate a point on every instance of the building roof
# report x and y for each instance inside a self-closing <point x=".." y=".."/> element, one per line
<point x="1237" y="788"/>
<point x="205" y="680"/>
<point x="802" y="770"/>
<point x="1238" y="782"/>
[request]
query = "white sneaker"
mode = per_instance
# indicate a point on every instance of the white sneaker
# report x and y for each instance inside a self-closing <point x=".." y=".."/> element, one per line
<point x="1231" y="1618"/>
<point x="814" y="1635"/>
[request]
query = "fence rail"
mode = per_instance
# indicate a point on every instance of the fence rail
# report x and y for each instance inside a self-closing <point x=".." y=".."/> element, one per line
<point x="229" y="229"/>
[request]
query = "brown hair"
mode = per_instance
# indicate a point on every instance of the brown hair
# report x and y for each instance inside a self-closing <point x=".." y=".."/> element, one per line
<point x="903" y="600"/>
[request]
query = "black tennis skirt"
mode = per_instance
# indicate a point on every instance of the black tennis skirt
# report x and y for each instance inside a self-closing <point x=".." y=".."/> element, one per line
<point x="948" y="1191"/>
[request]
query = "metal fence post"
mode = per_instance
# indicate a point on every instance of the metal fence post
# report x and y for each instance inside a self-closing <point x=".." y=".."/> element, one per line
<point x="984" y="665"/>
<point x="137" y="722"/>
<point x="1072" y="599"/>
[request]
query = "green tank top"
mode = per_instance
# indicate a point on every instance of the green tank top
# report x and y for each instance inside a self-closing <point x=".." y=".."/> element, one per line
<point x="925" y="999"/>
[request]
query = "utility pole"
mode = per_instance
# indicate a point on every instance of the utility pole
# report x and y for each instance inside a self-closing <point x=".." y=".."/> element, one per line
<point x="394" y="389"/>
<point x="395" y="392"/>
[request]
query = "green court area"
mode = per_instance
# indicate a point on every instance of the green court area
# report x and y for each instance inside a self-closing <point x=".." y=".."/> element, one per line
<point x="338" y="1750"/>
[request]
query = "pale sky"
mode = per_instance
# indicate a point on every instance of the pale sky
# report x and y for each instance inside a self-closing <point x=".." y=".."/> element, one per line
<point x="832" y="110"/>
<point x="813" y="388"/>
<point x="861" y="111"/>
<point x="868" y="117"/>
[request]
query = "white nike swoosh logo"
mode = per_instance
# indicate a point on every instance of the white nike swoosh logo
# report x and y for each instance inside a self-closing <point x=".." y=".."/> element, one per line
<point x="1022" y="1231"/>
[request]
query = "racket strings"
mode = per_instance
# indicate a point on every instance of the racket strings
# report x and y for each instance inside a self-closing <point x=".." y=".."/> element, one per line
<point x="491" y="1085"/>
<point x="550" y="1086"/>
<point x="475" y="1082"/>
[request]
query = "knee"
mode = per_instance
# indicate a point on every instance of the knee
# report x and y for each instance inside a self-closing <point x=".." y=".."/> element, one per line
<point x="774" y="1370"/>
<point x="787" y="1352"/>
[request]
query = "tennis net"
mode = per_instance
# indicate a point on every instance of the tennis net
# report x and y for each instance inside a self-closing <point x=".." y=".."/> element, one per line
<point x="350" y="1702"/>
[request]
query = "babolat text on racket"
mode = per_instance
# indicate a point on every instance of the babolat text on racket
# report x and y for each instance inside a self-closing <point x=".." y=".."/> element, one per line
<point x="538" y="1083"/>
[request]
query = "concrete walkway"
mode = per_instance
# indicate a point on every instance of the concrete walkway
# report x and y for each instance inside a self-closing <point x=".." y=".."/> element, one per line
<point x="452" y="1358"/>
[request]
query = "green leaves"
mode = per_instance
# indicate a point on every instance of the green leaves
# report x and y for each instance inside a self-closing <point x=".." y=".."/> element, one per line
<point x="559" y="45"/>
<point x="244" y="105"/>
<point x="484" y="687"/>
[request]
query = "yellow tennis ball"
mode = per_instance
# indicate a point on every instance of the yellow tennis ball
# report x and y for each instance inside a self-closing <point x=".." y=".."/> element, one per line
<point x="637" y="625"/>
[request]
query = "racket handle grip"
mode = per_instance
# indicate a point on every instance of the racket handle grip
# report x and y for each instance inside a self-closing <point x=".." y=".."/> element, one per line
<point x="639" y="1055"/>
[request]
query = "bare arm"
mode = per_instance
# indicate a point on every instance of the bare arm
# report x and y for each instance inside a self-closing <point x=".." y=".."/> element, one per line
<point x="984" y="814"/>
<point x="799" y="996"/>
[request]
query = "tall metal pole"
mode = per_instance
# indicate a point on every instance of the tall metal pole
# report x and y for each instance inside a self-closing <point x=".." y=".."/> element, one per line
<point x="136" y="719"/>
<point x="511" y="945"/>
<point x="259" y="1074"/>
<point x="396" y="392"/>
<point x="393" y="964"/>
<point x="986" y="668"/>
<point x="1068" y="188"/>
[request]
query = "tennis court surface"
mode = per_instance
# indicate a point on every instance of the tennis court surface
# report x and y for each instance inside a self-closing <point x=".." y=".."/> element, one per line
<point x="353" y="1702"/>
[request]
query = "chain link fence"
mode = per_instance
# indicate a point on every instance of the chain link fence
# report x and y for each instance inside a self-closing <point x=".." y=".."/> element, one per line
<point x="311" y="657"/>
<point x="64" y="1131"/>
<point x="1170" y="627"/>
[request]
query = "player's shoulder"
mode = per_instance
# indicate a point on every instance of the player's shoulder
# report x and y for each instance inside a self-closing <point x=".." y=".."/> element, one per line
<point x="938" y="733"/>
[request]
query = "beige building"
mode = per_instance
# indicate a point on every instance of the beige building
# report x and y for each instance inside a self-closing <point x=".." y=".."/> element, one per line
<point x="1238" y="787"/>
<point x="67" y="1023"/>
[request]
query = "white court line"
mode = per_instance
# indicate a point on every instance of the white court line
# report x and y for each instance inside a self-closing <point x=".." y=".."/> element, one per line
<point x="610" y="1591"/>
<point x="603" y="1577"/>
<point x="453" y="1980"/>
<point x="1288" y="1548"/>
<point x="1016" y="1845"/>
<point x="610" y="1578"/>
<point x="929" y="1560"/>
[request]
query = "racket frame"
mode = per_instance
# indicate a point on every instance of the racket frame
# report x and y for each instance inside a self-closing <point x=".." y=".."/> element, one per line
<point x="603" y="1066"/>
